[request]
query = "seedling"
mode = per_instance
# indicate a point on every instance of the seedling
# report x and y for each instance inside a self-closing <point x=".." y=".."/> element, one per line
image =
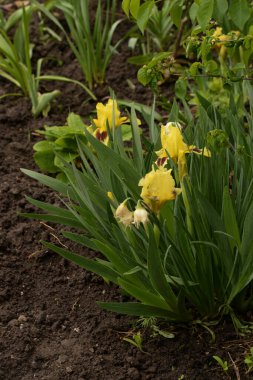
<point x="249" y="360"/>
<point x="223" y="364"/>
<point x="136" y="341"/>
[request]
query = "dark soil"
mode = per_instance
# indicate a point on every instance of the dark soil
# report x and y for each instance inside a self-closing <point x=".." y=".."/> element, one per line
<point x="50" y="325"/>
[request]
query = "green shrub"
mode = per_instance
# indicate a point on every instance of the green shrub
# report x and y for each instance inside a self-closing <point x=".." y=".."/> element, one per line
<point x="173" y="217"/>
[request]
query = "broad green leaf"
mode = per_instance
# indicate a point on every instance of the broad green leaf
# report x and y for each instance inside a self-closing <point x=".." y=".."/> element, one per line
<point x="42" y="146"/>
<point x="205" y="12"/>
<point x="239" y="12"/>
<point x="181" y="88"/>
<point x="193" y="11"/>
<point x="144" y="14"/>
<point x="219" y="10"/>
<point x="126" y="6"/>
<point x="134" y="8"/>
<point x="45" y="160"/>
<point x="43" y="101"/>
<point x="143" y="76"/>
<point x="176" y="14"/>
<point x="75" y="121"/>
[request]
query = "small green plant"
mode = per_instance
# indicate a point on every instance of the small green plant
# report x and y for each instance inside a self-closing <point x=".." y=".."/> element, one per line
<point x="92" y="47"/>
<point x="222" y="363"/>
<point x="249" y="360"/>
<point x="171" y="216"/>
<point x="136" y="341"/>
<point x="16" y="65"/>
<point x="60" y="142"/>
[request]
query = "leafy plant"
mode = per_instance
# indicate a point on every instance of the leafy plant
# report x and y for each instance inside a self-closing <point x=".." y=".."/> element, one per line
<point x="61" y="140"/>
<point x="16" y="63"/>
<point x="222" y="363"/>
<point x="172" y="218"/>
<point x="16" y="66"/>
<point x="136" y="341"/>
<point x="249" y="360"/>
<point x="92" y="47"/>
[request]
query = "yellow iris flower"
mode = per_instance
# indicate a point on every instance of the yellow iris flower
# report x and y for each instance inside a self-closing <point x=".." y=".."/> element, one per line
<point x="173" y="145"/>
<point x="222" y="38"/>
<point x="110" y="114"/>
<point x="158" y="187"/>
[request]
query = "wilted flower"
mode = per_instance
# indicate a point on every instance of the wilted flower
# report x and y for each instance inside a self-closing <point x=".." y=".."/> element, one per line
<point x="140" y="215"/>
<point x="158" y="187"/>
<point x="123" y="214"/>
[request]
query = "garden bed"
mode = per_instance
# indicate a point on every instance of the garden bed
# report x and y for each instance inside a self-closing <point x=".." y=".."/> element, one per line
<point x="51" y="327"/>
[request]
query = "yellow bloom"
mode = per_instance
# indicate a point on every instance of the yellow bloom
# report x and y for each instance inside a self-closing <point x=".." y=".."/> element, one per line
<point x="110" y="114"/>
<point x="173" y="145"/>
<point x="158" y="187"/>
<point x="172" y="140"/>
<point x="220" y="39"/>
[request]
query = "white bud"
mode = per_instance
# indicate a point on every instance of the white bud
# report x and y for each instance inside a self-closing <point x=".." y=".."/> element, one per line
<point x="124" y="215"/>
<point x="140" y="216"/>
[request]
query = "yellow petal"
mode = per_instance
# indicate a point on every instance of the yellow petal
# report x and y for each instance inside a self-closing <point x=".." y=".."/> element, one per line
<point x="158" y="187"/>
<point x="172" y="140"/>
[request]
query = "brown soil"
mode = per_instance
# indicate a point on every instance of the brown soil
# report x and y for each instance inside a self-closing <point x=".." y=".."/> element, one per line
<point x="50" y="325"/>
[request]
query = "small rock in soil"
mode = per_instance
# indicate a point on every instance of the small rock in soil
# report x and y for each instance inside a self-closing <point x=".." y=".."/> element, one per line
<point x="69" y="370"/>
<point x="133" y="373"/>
<point x="40" y="317"/>
<point x="22" y="318"/>
<point x="62" y="359"/>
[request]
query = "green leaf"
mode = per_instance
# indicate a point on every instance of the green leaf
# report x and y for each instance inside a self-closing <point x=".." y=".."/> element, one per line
<point x="219" y="10"/>
<point x="143" y="294"/>
<point x="75" y="121"/>
<point x="230" y="219"/>
<point x="53" y="183"/>
<point x="143" y="77"/>
<point x="80" y="239"/>
<point x="136" y="308"/>
<point x="45" y="160"/>
<point x="44" y="101"/>
<point x="181" y="88"/>
<point x="53" y="219"/>
<point x="134" y="8"/>
<point x="144" y="14"/>
<point x="193" y="12"/>
<point x="247" y="241"/>
<point x="157" y="275"/>
<point x="85" y="263"/>
<point x="239" y="12"/>
<point x="176" y="14"/>
<point x="205" y="12"/>
<point x="126" y="6"/>
<point x="43" y="145"/>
